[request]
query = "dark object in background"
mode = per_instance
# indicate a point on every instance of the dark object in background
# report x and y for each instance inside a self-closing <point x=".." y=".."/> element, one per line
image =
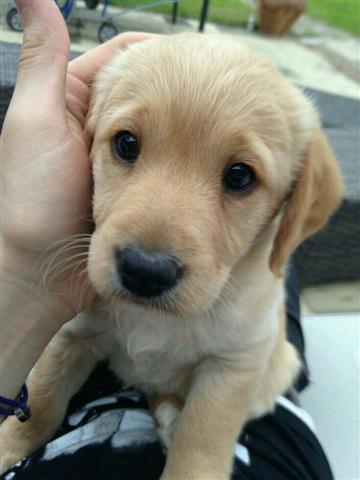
<point x="13" y="20"/>
<point x="106" y="32"/>
<point x="334" y="252"/>
<point x="92" y="4"/>
<point x="278" y="16"/>
<point x="5" y="97"/>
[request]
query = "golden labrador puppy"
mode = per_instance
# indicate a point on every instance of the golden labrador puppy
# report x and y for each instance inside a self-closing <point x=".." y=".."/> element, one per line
<point x="210" y="168"/>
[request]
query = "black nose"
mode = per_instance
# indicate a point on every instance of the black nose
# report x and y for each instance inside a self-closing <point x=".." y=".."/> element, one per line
<point x="146" y="273"/>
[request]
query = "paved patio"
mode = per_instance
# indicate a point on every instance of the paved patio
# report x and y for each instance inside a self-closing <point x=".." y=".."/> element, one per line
<point x="313" y="55"/>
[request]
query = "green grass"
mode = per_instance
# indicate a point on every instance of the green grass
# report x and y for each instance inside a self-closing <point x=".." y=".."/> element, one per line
<point x="344" y="14"/>
<point x="230" y="12"/>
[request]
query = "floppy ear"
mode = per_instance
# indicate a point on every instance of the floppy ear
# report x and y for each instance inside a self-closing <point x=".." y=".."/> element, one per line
<point x="96" y="105"/>
<point x="104" y="82"/>
<point x="317" y="193"/>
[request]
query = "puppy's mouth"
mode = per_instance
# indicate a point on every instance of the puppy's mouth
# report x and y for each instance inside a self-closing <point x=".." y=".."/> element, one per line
<point x="160" y="303"/>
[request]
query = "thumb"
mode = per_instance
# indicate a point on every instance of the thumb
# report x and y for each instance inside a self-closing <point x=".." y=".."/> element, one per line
<point x="44" y="54"/>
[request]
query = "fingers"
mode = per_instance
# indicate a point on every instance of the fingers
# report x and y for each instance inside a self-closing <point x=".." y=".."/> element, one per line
<point x="87" y="65"/>
<point x="44" y="53"/>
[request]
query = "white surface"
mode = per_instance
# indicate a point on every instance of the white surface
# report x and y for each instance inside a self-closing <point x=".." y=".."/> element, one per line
<point x="333" y="398"/>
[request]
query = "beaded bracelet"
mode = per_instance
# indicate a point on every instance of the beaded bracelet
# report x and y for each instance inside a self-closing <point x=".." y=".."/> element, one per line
<point x="17" y="407"/>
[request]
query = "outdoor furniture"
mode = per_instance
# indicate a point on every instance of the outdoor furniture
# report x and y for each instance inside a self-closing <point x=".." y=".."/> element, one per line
<point x="334" y="252"/>
<point x="277" y="16"/>
<point x="107" y="29"/>
<point x="204" y="14"/>
<point x="13" y="17"/>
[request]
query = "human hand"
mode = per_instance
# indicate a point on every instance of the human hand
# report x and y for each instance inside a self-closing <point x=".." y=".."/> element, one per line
<point x="46" y="174"/>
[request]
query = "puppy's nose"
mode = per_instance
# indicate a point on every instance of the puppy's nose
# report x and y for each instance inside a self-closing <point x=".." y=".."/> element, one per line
<point x="146" y="273"/>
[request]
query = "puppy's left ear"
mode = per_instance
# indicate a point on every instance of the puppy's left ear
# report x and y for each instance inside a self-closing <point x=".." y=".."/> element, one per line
<point x="317" y="193"/>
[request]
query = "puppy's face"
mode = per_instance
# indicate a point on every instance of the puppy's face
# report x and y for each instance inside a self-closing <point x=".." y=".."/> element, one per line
<point x="196" y="144"/>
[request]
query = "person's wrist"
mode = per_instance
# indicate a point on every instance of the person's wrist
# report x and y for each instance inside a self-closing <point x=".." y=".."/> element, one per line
<point x="21" y="274"/>
<point x="29" y="318"/>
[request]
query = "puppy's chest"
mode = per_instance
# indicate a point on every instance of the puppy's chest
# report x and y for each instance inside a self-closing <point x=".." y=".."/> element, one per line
<point x="158" y="353"/>
<point x="151" y="372"/>
<point x="152" y="356"/>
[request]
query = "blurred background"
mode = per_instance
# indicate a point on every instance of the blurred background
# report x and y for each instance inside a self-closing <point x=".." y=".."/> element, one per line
<point x="315" y="43"/>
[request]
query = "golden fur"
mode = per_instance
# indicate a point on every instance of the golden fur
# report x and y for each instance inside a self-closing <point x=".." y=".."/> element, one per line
<point x="198" y="104"/>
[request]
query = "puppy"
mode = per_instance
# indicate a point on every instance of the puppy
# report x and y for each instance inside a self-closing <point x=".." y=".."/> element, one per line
<point x="209" y="169"/>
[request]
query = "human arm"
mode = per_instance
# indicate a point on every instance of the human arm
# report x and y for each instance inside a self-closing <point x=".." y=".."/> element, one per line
<point x="46" y="188"/>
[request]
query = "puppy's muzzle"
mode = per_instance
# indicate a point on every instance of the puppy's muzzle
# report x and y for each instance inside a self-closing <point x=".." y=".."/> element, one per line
<point x="147" y="273"/>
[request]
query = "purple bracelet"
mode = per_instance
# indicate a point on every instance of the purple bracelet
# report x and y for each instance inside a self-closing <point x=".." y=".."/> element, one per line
<point x="17" y="407"/>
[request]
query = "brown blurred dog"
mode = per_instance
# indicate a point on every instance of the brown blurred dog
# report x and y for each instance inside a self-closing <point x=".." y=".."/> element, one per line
<point x="209" y="170"/>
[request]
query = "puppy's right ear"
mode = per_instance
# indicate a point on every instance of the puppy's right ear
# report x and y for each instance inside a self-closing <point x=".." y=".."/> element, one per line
<point x="317" y="192"/>
<point x="108" y="77"/>
<point x="99" y="93"/>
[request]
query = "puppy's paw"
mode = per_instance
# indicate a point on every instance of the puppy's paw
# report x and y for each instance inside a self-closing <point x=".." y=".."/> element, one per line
<point x="7" y="461"/>
<point x="165" y="415"/>
<point x="189" y="474"/>
<point x="12" y="445"/>
<point x="17" y="441"/>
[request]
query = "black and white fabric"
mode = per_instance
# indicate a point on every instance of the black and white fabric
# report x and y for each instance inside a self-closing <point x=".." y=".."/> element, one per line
<point x="112" y="435"/>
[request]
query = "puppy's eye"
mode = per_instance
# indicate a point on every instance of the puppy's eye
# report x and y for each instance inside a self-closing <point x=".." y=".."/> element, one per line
<point x="238" y="178"/>
<point x="126" y="146"/>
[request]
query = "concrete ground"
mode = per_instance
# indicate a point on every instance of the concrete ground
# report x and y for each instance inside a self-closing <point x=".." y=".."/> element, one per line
<point x="332" y="398"/>
<point x="323" y="58"/>
<point x="313" y="55"/>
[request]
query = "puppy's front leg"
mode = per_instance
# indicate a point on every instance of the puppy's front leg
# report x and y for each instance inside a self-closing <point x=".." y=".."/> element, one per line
<point x="206" y="430"/>
<point x="59" y="373"/>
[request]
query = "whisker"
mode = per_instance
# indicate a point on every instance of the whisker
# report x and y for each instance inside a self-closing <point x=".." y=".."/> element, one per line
<point x="70" y="246"/>
<point x="84" y="289"/>
<point x="49" y="266"/>
<point x="67" y="263"/>
<point x="53" y="272"/>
